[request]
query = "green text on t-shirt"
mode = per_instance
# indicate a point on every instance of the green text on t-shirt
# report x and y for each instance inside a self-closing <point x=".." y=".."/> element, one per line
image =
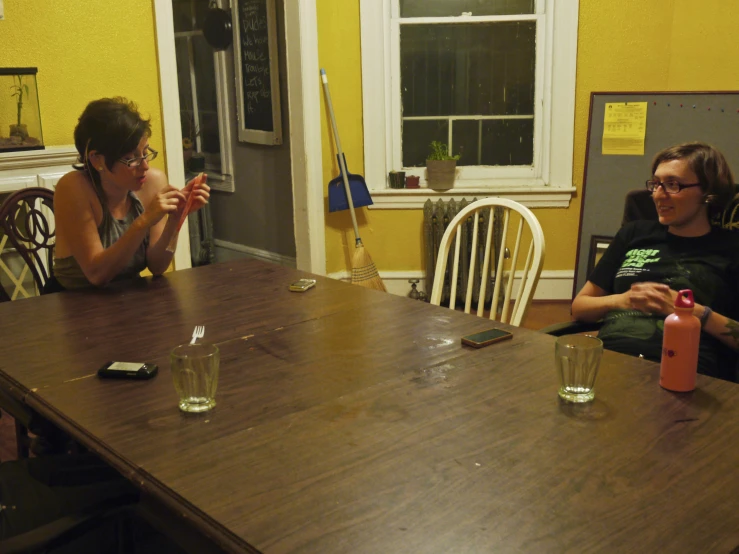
<point x="638" y="257"/>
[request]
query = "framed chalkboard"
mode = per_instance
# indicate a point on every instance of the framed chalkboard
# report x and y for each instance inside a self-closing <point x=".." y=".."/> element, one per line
<point x="672" y="118"/>
<point x="257" y="75"/>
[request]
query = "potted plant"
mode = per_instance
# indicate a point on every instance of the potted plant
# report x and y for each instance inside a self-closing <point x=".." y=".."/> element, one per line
<point x="441" y="167"/>
<point x="19" y="90"/>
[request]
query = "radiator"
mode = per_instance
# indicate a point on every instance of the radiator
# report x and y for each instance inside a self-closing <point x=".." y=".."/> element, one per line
<point x="200" y="224"/>
<point x="436" y="218"/>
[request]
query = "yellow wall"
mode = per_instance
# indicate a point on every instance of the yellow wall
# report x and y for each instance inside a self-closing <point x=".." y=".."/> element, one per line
<point x="629" y="45"/>
<point x="84" y="50"/>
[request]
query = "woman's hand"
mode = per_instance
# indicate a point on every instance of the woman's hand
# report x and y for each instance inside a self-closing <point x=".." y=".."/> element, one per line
<point x="652" y="298"/>
<point x="165" y="202"/>
<point x="200" y="191"/>
<point x="593" y="303"/>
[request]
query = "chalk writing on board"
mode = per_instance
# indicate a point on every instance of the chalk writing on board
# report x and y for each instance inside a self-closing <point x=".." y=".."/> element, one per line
<point x="255" y="61"/>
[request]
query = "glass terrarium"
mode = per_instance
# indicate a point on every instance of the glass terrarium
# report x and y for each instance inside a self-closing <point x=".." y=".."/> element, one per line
<point x="20" y="115"/>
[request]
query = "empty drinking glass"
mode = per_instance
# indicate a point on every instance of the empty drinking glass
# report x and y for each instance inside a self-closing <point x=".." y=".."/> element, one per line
<point x="577" y="358"/>
<point x="195" y="373"/>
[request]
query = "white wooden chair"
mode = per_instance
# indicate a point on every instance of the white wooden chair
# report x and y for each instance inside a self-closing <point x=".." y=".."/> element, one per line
<point x="514" y="215"/>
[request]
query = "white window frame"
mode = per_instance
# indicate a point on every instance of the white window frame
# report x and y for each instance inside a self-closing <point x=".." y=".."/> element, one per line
<point x="548" y="183"/>
<point x="223" y="179"/>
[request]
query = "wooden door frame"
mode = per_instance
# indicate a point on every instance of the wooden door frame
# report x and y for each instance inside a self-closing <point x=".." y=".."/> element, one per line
<point x="304" y="103"/>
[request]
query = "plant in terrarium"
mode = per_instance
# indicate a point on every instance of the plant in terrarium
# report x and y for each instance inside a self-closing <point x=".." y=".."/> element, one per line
<point x="18" y="90"/>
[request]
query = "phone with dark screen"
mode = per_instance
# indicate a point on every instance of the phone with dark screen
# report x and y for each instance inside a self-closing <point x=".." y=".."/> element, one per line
<point x="484" y="338"/>
<point x="127" y="370"/>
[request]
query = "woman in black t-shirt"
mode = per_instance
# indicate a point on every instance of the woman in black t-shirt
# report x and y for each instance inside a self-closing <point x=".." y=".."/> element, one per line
<point x="634" y="286"/>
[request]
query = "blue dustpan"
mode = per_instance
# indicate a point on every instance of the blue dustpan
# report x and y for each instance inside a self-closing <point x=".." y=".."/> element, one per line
<point x="337" y="200"/>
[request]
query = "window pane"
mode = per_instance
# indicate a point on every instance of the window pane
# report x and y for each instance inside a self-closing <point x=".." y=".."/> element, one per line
<point x="201" y="11"/>
<point x="205" y="76"/>
<point x="508" y="142"/>
<point x="469" y="70"/>
<point x="417" y="138"/>
<point x="481" y="69"/>
<point x="209" y="132"/>
<point x="182" y="12"/>
<point x="446" y="8"/>
<point x="494" y="142"/>
<point x="183" y="83"/>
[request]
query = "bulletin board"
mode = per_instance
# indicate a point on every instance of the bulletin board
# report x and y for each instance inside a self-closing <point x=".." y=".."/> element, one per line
<point x="672" y="118"/>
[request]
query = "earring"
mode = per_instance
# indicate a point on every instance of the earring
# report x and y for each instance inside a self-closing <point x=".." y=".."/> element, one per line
<point x="100" y="168"/>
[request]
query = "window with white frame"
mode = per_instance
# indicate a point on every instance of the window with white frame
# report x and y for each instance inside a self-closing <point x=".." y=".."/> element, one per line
<point x="201" y="77"/>
<point x="478" y="75"/>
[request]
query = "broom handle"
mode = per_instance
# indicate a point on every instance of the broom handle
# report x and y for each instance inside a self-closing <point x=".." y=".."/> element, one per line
<point x="342" y="161"/>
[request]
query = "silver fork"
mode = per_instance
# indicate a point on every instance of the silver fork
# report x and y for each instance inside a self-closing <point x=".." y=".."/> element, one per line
<point x="197" y="333"/>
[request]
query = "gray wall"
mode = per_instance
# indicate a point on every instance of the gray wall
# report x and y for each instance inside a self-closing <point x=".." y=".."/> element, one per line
<point x="259" y="214"/>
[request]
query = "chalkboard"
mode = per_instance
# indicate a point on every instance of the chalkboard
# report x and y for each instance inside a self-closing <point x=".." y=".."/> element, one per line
<point x="672" y="118"/>
<point x="257" y="75"/>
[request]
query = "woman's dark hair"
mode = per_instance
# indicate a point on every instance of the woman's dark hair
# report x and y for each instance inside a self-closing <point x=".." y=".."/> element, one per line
<point x="110" y="126"/>
<point x="710" y="167"/>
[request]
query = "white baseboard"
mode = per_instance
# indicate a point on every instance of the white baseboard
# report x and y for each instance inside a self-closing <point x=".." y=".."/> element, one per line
<point x="553" y="284"/>
<point x="226" y="251"/>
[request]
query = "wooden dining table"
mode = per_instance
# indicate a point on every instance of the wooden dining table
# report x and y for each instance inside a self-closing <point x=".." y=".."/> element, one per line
<point x="354" y="421"/>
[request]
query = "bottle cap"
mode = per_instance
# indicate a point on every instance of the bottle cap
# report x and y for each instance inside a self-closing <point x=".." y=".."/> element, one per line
<point x="684" y="299"/>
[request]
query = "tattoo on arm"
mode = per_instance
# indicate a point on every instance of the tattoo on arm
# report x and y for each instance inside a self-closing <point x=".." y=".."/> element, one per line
<point x="732" y="331"/>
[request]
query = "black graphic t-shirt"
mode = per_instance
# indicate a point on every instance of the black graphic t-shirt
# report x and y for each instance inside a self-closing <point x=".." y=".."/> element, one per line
<point x="708" y="265"/>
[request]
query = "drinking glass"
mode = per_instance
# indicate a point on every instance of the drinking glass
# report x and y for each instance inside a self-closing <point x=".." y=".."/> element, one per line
<point x="577" y="358"/>
<point x="195" y="373"/>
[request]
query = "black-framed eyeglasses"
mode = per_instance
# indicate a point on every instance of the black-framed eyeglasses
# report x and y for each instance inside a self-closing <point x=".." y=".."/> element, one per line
<point x="670" y="187"/>
<point x="135" y="162"/>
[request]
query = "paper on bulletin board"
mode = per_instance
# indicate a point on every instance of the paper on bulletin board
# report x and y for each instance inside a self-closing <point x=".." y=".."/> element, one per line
<point x="624" y="128"/>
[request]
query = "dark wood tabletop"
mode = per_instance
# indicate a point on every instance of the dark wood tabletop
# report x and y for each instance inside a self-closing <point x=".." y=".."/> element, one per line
<point x="350" y="420"/>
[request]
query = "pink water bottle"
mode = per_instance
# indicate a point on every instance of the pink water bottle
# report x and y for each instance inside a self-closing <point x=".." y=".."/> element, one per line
<point x="682" y="336"/>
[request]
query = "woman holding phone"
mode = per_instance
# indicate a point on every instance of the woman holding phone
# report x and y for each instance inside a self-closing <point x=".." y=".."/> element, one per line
<point x="115" y="215"/>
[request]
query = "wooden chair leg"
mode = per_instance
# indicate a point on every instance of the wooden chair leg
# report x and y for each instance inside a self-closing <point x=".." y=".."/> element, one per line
<point x="22" y="440"/>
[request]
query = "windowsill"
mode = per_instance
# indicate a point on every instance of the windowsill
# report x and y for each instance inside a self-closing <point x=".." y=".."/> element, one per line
<point x="531" y="197"/>
<point x="216" y="181"/>
<point x="50" y="156"/>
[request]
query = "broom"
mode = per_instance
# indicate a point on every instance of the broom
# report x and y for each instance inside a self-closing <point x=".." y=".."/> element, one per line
<point x="364" y="272"/>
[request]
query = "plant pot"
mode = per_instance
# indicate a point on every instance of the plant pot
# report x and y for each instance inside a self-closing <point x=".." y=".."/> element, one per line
<point x="196" y="163"/>
<point x="397" y="179"/>
<point x="187" y="155"/>
<point x="440" y="174"/>
<point x="19" y="131"/>
<point x="411" y="182"/>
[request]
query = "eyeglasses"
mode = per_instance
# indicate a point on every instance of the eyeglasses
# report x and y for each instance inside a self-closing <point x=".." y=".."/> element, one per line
<point x="135" y="162"/>
<point x="670" y="187"/>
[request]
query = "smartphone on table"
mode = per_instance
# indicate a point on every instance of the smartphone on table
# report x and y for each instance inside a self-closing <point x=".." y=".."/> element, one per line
<point x="127" y="370"/>
<point x="484" y="338"/>
<point x="302" y="285"/>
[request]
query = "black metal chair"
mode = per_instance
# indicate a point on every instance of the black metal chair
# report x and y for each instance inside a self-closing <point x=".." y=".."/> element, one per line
<point x="27" y="226"/>
<point x="27" y="223"/>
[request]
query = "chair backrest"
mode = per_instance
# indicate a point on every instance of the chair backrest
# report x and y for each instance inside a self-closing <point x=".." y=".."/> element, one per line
<point x="639" y="205"/>
<point x="481" y="216"/>
<point x="27" y="223"/>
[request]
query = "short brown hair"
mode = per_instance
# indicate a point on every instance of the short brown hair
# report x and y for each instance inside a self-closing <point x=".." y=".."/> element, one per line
<point x="710" y="167"/>
<point x="110" y="126"/>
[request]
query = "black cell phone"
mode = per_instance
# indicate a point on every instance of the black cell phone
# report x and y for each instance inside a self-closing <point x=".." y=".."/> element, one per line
<point x="127" y="370"/>
<point x="478" y="340"/>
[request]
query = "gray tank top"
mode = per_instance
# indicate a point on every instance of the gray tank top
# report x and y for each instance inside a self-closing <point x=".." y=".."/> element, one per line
<point x="69" y="273"/>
